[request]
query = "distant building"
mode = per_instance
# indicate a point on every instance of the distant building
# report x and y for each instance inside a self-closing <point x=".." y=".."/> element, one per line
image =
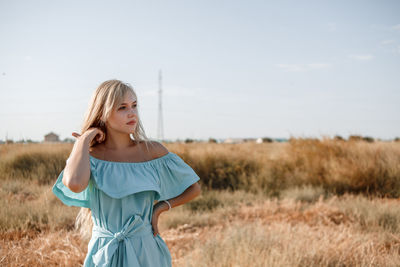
<point x="51" y="137"/>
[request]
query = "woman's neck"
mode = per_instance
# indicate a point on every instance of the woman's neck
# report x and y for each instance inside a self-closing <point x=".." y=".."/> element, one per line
<point x="118" y="142"/>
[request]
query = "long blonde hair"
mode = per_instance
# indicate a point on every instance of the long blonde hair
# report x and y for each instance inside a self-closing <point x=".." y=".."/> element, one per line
<point x="106" y="97"/>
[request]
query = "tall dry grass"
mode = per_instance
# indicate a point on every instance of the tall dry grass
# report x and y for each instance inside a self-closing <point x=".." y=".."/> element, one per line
<point x="247" y="230"/>
<point x="301" y="167"/>
<point x="260" y="205"/>
<point x="36" y="163"/>
<point x="336" y="166"/>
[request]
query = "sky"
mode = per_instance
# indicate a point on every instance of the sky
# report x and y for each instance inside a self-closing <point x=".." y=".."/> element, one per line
<point x="230" y="69"/>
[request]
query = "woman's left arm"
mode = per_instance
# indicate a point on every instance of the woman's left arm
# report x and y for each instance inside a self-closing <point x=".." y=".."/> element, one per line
<point x="190" y="193"/>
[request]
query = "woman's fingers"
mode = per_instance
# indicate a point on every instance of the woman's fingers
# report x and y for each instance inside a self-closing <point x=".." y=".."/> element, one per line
<point x="155" y="232"/>
<point x="103" y="136"/>
<point x="100" y="136"/>
<point x="154" y="223"/>
<point x="76" y="135"/>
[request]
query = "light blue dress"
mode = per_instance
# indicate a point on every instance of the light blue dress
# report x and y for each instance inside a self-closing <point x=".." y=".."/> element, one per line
<point x="121" y="196"/>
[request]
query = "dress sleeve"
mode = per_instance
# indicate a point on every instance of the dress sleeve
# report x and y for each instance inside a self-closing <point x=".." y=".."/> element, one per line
<point x="175" y="177"/>
<point x="69" y="197"/>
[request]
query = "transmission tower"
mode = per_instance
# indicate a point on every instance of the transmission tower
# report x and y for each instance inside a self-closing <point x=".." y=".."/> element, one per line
<point x="160" y="128"/>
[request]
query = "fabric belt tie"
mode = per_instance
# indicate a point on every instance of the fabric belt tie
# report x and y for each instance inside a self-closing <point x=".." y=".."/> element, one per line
<point x="134" y="227"/>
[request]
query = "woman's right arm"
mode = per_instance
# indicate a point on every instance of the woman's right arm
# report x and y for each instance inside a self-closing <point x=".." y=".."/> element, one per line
<point x="77" y="170"/>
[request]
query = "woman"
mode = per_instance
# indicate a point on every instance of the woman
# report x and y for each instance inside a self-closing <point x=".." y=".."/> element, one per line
<point x="115" y="179"/>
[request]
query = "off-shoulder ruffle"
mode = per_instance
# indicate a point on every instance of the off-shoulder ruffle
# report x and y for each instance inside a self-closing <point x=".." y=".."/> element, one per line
<point x="168" y="176"/>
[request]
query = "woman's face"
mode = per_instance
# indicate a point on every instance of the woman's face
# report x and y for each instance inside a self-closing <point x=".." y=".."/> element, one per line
<point x="124" y="113"/>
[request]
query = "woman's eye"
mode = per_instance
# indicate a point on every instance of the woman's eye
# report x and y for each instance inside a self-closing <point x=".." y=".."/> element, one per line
<point x="124" y="106"/>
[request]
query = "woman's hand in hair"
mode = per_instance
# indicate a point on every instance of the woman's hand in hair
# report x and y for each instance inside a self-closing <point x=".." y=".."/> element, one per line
<point x="98" y="134"/>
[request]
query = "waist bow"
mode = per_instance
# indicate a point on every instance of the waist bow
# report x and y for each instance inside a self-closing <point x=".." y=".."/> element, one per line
<point x="134" y="227"/>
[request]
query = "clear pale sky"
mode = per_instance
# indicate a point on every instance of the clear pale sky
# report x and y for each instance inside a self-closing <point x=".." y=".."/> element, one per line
<point x="230" y="68"/>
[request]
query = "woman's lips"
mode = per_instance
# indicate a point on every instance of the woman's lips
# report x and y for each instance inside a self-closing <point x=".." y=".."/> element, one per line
<point x="131" y="122"/>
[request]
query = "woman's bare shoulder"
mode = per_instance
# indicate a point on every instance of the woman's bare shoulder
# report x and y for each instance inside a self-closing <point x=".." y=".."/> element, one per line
<point x="155" y="148"/>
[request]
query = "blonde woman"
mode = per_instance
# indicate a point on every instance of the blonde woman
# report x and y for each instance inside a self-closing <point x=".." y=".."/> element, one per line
<point x="116" y="174"/>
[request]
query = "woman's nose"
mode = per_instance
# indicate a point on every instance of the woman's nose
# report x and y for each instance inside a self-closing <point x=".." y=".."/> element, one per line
<point x="132" y="112"/>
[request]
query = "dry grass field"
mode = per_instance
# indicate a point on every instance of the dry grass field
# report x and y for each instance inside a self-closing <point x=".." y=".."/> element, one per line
<point x="300" y="203"/>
